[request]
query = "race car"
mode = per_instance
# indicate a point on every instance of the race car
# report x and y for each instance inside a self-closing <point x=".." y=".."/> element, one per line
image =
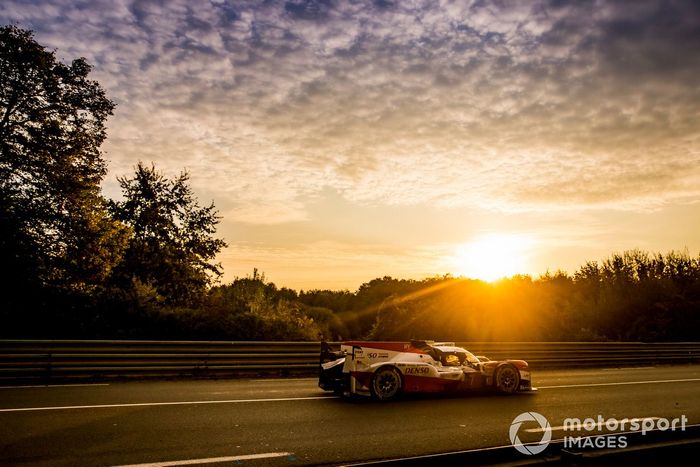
<point x="385" y="370"/>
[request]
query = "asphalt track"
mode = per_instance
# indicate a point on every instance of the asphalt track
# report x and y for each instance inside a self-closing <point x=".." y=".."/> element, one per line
<point x="292" y="422"/>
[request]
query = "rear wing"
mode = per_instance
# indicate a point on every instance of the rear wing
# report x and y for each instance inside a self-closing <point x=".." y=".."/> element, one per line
<point x="328" y="354"/>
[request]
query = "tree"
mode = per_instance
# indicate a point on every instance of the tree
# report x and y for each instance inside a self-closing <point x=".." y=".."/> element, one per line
<point x="172" y="246"/>
<point x="251" y="308"/>
<point x="55" y="231"/>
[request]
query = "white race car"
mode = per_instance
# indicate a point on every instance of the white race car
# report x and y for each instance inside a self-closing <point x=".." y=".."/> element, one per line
<point x="384" y="370"/>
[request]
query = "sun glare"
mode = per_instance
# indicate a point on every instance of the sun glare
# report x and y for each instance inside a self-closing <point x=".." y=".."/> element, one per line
<point x="493" y="257"/>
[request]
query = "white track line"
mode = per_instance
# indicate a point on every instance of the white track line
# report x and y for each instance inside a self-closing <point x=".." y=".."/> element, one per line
<point x="630" y="369"/>
<point x="267" y="380"/>
<point x="54" y="386"/>
<point x="283" y="399"/>
<point x="155" y="404"/>
<point x="622" y="383"/>
<point x="213" y="460"/>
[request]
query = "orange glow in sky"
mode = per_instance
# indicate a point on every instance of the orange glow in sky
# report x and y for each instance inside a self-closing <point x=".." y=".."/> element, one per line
<point x="344" y="141"/>
<point x="493" y="257"/>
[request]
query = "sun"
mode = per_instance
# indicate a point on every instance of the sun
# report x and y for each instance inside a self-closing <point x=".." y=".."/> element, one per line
<point x="492" y="257"/>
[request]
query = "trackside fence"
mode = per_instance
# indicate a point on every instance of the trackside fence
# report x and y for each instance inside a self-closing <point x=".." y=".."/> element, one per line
<point x="53" y="360"/>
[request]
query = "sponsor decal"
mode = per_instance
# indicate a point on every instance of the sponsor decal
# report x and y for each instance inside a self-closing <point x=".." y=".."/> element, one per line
<point x="417" y="370"/>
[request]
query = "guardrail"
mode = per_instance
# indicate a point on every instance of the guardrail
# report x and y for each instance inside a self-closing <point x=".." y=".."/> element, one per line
<point x="51" y="360"/>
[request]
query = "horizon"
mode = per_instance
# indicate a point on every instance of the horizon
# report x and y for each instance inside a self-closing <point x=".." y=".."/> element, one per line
<point x="490" y="278"/>
<point x="343" y="141"/>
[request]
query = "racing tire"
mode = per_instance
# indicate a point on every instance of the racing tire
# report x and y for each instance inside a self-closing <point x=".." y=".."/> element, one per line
<point x="386" y="383"/>
<point x="507" y="379"/>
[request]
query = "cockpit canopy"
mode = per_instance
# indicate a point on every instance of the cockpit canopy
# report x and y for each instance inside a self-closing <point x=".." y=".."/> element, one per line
<point x="447" y="353"/>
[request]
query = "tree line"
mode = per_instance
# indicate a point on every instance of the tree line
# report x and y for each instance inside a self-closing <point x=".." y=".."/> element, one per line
<point x="79" y="265"/>
<point x="71" y="258"/>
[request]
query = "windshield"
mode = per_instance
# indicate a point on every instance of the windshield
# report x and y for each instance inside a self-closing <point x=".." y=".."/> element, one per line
<point x="451" y="360"/>
<point x="470" y="357"/>
<point x="457" y="358"/>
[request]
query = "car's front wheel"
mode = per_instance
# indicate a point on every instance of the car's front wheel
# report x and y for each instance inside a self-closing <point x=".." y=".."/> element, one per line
<point x="386" y="383"/>
<point x="507" y="379"/>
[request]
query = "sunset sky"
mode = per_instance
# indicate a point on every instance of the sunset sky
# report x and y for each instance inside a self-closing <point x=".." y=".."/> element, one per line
<point x="347" y="140"/>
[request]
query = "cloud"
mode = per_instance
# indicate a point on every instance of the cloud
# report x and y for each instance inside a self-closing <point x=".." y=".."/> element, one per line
<point x="528" y="106"/>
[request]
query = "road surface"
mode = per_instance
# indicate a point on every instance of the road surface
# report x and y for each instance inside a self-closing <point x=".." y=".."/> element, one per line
<point x="292" y="422"/>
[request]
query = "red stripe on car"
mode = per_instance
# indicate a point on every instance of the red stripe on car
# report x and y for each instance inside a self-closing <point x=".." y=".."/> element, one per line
<point x="391" y="346"/>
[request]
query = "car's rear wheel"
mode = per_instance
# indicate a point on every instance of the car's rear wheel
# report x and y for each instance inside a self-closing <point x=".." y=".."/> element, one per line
<point x="386" y="383"/>
<point x="507" y="379"/>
